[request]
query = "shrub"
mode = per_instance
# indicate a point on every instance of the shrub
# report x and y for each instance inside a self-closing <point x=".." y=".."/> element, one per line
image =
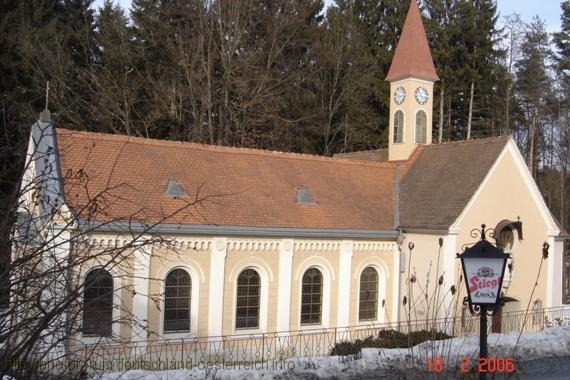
<point x="420" y="336"/>
<point x="388" y="339"/>
<point x="391" y="339"/>
<point x="347" y="348"/>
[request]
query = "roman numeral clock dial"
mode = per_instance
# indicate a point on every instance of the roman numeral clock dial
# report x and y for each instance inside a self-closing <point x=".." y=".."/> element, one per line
<point x="422" y="95"/>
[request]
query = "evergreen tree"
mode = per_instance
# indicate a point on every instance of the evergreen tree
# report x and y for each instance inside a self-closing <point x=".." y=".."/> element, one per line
<point x="20" y="96"/>
<point x="382" y="23"/>
<point x="115" y="78"/>
<point x="562" y="41"/>
<point x="531" y="87"/>
<point x="477" y="72"/>
<point x="438" y="29"/>
<point x="342" y="85"/>
<point x="562" y="147"/>
<point x="514" y="32"/>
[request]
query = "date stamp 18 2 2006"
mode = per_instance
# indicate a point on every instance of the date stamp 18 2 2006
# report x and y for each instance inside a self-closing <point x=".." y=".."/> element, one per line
<point x="490" y="365"/>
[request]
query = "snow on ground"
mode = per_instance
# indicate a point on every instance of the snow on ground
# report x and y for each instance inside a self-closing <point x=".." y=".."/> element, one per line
<point x="542" y="355"/>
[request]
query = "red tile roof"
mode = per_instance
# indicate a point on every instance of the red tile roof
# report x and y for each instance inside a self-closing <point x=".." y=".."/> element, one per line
<point x="112" y="177"/>
<point x="443" y="178"/>
<point x="413" y="55"/>
<point x="378" y="155"/>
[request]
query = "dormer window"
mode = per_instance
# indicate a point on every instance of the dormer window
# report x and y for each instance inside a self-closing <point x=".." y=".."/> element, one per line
<point x="304" y="196"/>
<point x="175" y="190"/>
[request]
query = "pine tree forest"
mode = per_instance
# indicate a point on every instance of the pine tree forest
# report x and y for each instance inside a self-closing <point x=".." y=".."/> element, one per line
<point x="288" y="75"/>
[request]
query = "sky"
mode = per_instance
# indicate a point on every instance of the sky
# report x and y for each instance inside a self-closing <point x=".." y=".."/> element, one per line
<point x="548" y="10"/>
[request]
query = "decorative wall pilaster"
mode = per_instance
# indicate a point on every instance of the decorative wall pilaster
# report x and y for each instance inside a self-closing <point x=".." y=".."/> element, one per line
<point x="396" y="280"/>
<point x="554" y="272"/>
<point x="141" y="279"/>
<point x="217" y="281"/>
<point x="284" y="285"/>
<point x="450" y="250"/>
<point x="344" y="271"/>
<point x="52" y="339"/>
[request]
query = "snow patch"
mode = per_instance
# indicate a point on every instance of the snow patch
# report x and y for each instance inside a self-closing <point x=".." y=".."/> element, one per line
<point x="553" y="342"/>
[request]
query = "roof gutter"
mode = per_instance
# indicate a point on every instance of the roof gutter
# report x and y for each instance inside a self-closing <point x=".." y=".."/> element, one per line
<point x="426" y="231"/>
<point x="562" y="238"/>
<point x="197" y="229"/>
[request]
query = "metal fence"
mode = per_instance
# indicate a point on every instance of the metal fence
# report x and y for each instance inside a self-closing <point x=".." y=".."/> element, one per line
<point x="279" y="346"/>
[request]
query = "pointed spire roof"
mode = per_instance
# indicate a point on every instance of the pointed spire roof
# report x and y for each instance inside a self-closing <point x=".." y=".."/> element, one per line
<point x="413" y="55"/>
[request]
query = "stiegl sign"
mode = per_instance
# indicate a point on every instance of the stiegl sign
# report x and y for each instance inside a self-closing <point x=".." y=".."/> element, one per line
<point x="483" y="269"/>
<point x="484" y="279"/>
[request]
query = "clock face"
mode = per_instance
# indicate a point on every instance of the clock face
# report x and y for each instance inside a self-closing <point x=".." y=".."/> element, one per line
<point x="422" y="95"/>
<point x="399" y="95"/>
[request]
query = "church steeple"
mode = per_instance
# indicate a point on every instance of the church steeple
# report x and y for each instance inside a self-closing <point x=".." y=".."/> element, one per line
<point x="411" y="76"/>
<point x="413" y="56"/>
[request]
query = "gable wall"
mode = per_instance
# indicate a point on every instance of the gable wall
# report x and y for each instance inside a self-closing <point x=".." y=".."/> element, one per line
<point x="506" y="196"/>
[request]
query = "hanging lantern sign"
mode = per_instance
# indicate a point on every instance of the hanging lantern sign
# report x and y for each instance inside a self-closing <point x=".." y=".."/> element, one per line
<point x="483" y="268"/>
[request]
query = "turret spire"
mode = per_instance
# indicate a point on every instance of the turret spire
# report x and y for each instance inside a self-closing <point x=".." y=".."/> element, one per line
<point x="413" y="57"/>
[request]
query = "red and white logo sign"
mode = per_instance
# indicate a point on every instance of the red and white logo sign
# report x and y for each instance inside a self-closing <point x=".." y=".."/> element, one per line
<point x="484" y="281"/>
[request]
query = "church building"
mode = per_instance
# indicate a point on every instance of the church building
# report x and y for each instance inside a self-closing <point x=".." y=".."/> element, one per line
<point x="249" y="241"/>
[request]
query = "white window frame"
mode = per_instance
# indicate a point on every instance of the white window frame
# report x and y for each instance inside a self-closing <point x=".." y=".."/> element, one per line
<point x="195" y="281"/>
<point x="416" y="129"/>
<point x="382" y="283"/>
<point x="326" y="270"/>
<point x="403" y="126"/>
<point x="265" y="276"/>
<point x="116" y="314"/>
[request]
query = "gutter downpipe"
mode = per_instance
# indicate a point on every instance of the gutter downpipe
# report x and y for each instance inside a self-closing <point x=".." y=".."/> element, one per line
<point x="399" y="241"/>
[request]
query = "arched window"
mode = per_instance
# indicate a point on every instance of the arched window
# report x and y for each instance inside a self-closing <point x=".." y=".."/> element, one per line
<point x="398" y="127"/>
<point x="98" y="303"/>
<point x="421" y="127"/>
<point x="247" y="304"/>
<point x="368" y="305"/>
<point x="177" y="290"/>
<point x="311" y="297"/>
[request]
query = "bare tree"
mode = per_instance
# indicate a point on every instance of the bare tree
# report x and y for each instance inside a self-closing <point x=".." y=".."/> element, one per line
<point x="514" y="29"/>
<point x="52" y="252"/>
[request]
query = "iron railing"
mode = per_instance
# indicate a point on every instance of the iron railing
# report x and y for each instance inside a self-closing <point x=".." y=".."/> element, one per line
<point x="279" y="346"/>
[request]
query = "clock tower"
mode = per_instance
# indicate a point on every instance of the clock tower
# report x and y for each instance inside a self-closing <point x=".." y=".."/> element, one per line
<point x="411" y="76"/>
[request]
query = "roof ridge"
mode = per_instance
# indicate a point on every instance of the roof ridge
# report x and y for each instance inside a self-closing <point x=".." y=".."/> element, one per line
<point x="362" y="151"/>
<point x="465" y="142"/>
<point x="225" y="149"/>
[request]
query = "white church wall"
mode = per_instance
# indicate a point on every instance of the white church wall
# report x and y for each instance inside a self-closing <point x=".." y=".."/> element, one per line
<point x="426" y="264"/>
<point x="507" y="193"/>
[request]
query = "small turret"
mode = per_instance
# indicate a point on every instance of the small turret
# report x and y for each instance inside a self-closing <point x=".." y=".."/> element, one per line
<point x="411" y="76"/>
